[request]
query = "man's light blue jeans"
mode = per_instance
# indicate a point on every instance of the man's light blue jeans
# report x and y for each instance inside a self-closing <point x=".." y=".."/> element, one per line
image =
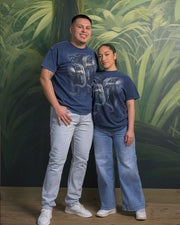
<point x="130" y="183"/>
<point x="79" y="135"/>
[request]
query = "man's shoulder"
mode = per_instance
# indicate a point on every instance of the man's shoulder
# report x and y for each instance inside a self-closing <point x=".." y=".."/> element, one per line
<point x="61" y="44"/>
<point x="90" y="49"/>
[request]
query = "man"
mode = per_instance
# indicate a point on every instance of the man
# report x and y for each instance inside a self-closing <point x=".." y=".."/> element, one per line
<point x="66" y="77"/>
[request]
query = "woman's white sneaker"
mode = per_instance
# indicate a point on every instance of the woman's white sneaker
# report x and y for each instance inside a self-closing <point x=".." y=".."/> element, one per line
<point x="104" y="213"/>
<point x="141" y="214"/>
<point x="45" y="217"/>
<point x="78" y="210"/>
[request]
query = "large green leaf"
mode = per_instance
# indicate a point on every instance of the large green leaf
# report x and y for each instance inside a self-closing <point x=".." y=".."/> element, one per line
<point x="167" y="105"/>
<point x="177" y="10"/>
<point x="131" y="5"/>
<point x="36" y="16"/>
<point x="42" y="25"/>
<point x="142" y="70"/>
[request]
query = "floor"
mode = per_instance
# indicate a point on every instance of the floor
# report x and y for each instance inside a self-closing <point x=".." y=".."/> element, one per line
<point x="21" y="206"/>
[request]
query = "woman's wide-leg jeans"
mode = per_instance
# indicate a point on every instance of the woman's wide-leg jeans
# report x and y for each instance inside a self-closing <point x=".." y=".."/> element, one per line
<point x="130" y="183"/>
<point x="79" y="135"/>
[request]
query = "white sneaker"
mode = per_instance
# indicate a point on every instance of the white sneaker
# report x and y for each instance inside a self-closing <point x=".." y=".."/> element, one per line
<point x="45" y="217"/>
<point x="78" y="210"/>
<point x="103" y="212"/>
<point x="141" y="214"/>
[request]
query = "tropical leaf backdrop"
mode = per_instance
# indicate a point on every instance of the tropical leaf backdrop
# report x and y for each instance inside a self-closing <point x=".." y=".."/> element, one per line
<point x="146" y="34"/>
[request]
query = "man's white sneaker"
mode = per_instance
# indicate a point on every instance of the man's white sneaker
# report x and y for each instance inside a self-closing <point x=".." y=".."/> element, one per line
<point x="141" y="214"/>
<point x="45" y="217"/>
<point x="78" y="210"/>
<point x="103" y="212"/>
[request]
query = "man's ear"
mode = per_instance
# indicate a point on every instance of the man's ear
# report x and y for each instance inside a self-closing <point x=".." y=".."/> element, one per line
<point x="70" y="29"/>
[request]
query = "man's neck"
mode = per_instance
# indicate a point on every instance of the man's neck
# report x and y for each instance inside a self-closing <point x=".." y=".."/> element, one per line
<point x="78" y="45"/>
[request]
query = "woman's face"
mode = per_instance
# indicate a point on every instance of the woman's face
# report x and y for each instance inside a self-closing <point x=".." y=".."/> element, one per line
<point x="107" y="58"/>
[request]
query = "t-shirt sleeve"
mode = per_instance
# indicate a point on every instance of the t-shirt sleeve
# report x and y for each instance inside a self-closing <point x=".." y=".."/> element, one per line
<point x="50" y="60"/>
<point x="131" y="91"/>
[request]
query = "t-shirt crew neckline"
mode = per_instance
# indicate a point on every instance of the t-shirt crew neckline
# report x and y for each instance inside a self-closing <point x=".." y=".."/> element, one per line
<point x="110" y="71"/>
<point x="76" y="46"/>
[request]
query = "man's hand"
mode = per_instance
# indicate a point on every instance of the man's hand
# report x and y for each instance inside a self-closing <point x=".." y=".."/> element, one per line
<point x="62" y="114"/>
<point x="129" y="137"/>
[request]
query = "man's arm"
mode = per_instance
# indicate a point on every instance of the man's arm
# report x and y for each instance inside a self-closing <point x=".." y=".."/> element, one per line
<point x="46" y="83"/>
<point x="131" y="117"/>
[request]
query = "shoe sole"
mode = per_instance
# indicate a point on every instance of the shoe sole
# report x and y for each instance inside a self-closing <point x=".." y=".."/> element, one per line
<point x="77" y="214"/>
<point x="39" y="223"/>
<point x="104" y="215"/>
<point x="43" y="223"/>
<point x="141" y="219"/>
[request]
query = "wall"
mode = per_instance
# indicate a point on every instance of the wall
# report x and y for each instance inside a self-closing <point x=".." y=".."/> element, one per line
<point x="146" y="36"/>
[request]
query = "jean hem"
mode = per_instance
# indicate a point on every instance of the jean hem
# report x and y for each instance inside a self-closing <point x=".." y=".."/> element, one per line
<point x="109" y="208"/>
<point x="133" y="209"/>
<point x="47" y="207"/>
<point x="72" y="204"/>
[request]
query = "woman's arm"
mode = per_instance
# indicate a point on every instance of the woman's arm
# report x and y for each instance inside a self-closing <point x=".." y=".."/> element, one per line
<point x="46" y="83"/>
<point x="131" y="117"/>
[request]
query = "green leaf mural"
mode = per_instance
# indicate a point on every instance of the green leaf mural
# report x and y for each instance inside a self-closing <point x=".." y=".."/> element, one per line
<point x="177" y="10"/>
<point x="40" y="12"/>
<point x="146" y="35"/>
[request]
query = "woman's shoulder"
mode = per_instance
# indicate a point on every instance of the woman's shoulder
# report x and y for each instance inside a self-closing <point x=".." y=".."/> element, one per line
<point x="124" y="76"/>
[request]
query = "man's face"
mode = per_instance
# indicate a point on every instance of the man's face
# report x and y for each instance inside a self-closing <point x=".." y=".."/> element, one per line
<point x="80" y="31"/>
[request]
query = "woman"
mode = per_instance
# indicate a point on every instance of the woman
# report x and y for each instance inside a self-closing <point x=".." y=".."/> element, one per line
<point x="114" y="113"/>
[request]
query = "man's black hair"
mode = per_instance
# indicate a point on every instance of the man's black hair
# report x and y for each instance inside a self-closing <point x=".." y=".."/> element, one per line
<point x="81" y="16"/>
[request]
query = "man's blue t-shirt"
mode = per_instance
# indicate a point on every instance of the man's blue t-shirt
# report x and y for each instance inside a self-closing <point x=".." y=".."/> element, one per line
<point x="111" y="89"/>
<point x="74" y="69"/>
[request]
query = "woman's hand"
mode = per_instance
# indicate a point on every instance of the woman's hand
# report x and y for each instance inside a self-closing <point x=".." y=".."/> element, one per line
<point x="129" y="137"/>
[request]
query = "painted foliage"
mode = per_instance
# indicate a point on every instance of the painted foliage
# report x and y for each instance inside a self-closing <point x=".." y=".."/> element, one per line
<point x="146" y="35"/>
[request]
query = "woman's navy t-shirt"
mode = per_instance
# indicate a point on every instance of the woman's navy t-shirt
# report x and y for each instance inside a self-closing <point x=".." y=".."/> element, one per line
<point x="74" y="69"/>
<point x="111" y="89"/>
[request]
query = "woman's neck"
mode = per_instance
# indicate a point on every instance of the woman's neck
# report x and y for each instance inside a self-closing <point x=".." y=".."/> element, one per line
<point x="113" y="68"/>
